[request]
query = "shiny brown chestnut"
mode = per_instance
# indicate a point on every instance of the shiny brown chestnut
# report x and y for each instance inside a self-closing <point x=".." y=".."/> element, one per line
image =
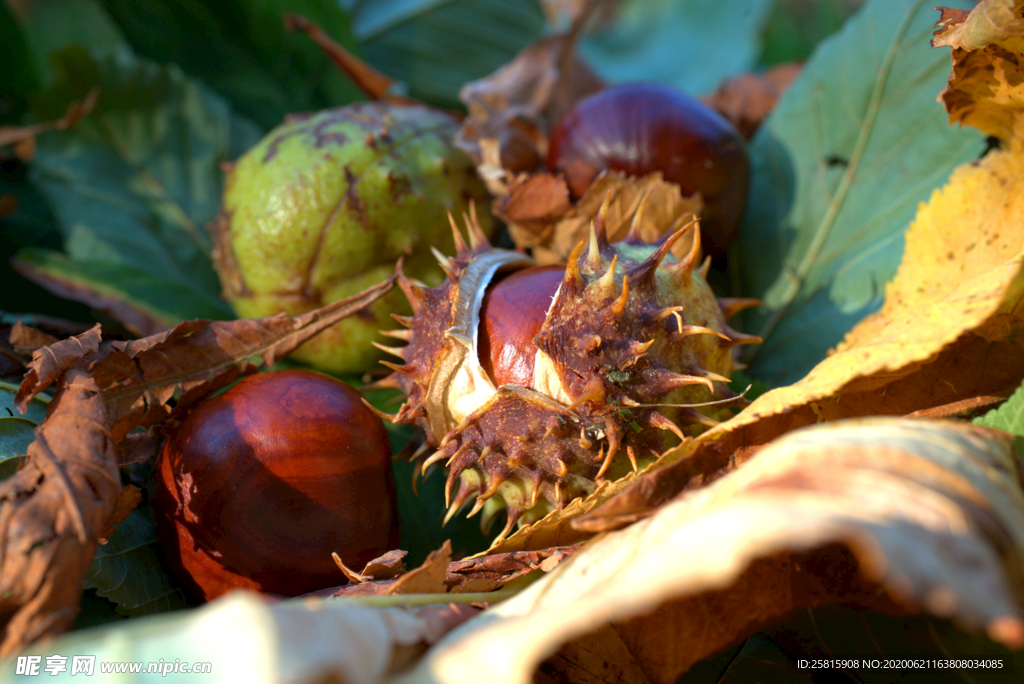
<point x="259" y="485"/>
<point x="642" y="128"/>
<point x="511" y="315"/>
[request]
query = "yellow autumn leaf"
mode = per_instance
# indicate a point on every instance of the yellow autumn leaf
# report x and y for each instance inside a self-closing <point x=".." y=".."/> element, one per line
<point x="905" y="507"/>
<point x="986" y="88"/>
<point x="957" y="294"/>
<point x="952" y="325"/>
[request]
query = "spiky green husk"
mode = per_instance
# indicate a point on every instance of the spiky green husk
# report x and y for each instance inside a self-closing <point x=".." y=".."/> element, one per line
<point x="632" y="334"/>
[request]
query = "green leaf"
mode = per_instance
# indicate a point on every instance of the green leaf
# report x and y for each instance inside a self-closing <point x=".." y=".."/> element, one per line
<point x="371" y="18"/>
<point x="134" y="184"/>
<point x="691" y="44"/>
<point x="22" y="79"/>
<point x="140" y="299"/>
<point x="838" y="171"/>
<point x="95" y="611"/>
<point x="127" y="570"/>
<point x="54" y="25"/>
<point x="439" y="46"/>
<point x="240" y="49"/>
<point x="793" y="29"/>
<point x="1009" y="417"/>
<point x="35" y="412"/>
<point x="15" y="436"/>
<point x="17" y="431"/>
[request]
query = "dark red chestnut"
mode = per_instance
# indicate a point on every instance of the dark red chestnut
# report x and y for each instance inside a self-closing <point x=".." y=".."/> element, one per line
<point x="512" y="314"/>
<point x="639" y="129"/>
<point x="260" y="484"/>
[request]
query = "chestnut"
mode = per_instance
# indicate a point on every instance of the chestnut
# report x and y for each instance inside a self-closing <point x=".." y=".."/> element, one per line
<point x="260" y="484"/>
<point x="642" y="128"/>
<point x="511" y="315"/>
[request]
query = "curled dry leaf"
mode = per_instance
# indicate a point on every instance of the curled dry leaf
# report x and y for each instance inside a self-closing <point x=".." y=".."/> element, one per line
<point x="57" y="507"/>
<point x="52" y="512"/>
<point x="428" y="578"/>
<point x="49" y="362"/>
<point x="139" y="378"/>
<point x="985" y="89"/>
<point x="18" y="340"/>
<point x="512" y="105"/>
<point x="25" y="338"/>
<point x="906" y="516"/>
<point x="493" y="571"/>
<point x="388" y="566"/>
<point x="475" y="575"/>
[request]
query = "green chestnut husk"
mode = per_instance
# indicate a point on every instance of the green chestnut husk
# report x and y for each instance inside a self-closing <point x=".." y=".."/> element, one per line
<point x="325" y="205"/>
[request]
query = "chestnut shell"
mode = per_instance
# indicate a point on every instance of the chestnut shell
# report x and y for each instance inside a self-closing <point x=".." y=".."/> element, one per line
<point x="642" y="128"/>
<point x="259" y="485"/>
<point x="631" y="330"/>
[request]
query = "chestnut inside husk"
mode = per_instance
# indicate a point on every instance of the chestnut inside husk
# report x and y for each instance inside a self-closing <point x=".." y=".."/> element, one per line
<point x="586" y="386"/>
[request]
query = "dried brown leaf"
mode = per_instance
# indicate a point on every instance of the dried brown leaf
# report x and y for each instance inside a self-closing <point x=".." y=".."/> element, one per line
<point x="491" y="571"/>
<point x="196" y="358"/>
<point x="391" y="564"/>
<point x="475" y="575"/>
<point x="906" y="516"/>
<point x="27" y="339"/>
<point x="748" y="99"/>
<point x="49" y="362"/>
<point x="52" y="514"/>
<point x="429" y="577"/>
<point x="388" y="566"/>
<point x="386" y="575"/>
<point x="512" y="105"/>
<point x="657" y="205"/>
<point x="534" y="206"/>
